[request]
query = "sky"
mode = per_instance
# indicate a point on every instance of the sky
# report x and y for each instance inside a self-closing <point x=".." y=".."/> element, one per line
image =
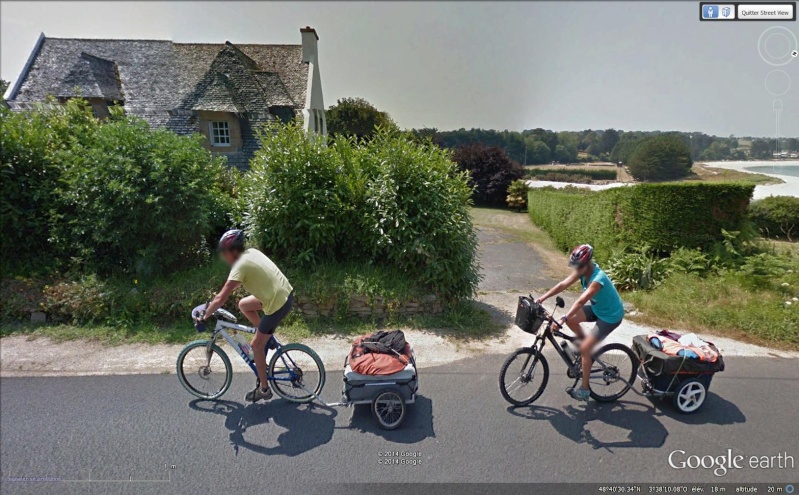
<point x="565" y="65"/>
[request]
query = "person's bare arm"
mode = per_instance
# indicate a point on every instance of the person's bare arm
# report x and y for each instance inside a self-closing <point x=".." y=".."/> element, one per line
<point x="221" y="297"/>
<point x="582" y="300"/>
<point x="560" y="287"/>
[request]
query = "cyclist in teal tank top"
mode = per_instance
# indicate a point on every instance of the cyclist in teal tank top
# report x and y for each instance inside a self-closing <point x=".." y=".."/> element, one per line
<point x="599" y="303"/>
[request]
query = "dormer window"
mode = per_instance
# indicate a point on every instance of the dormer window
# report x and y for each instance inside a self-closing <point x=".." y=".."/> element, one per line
<point x="219" y="133"/>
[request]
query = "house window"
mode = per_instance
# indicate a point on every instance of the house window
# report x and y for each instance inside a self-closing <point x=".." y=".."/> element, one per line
<point x="220" y="133"/>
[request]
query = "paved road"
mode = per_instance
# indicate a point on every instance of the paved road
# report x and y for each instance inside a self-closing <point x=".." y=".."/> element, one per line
<point x="128" y="427"/>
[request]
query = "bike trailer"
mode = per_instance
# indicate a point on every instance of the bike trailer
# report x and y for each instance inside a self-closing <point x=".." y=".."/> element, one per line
<point x="684" y="379"/>
<point x="388" y="394"/>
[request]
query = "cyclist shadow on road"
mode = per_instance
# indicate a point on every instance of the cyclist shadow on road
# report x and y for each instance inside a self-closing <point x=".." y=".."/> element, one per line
<point x="304" y="427"/>
<point x="589" y="424"/>
<point x="417" y="425"/>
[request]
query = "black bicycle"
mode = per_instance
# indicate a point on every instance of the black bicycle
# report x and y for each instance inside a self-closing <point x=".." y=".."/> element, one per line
<point x="525" y="373"/>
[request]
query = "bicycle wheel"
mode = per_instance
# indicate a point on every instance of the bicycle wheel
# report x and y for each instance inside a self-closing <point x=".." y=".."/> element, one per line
<point x="296" y="373"/>
<point x="203" y="375"/>
<point x="612" y="372"/>
<point x="388" y="408"/>
<point x="524" y="376"/>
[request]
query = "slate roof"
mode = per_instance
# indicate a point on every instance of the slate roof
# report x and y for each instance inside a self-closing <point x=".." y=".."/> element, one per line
<point x="158" y="74"/>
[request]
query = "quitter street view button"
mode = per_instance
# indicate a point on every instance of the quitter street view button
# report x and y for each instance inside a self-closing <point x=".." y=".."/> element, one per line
<point x="767" y="11"/>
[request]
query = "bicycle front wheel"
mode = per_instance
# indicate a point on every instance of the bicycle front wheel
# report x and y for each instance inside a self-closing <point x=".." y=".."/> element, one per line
<point x="523" y="377"/>
<point x="296" y="373"/>
<point x="204" y="374"/>
<point x="612" y="372"/>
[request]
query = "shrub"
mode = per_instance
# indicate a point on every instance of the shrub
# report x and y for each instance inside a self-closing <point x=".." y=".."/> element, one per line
<point x="637" y="269"/>
<point x="517" y="194"/>
<point x="356" y="117"/>
<point x="389" y="202"/>
<point x="84" y="301"/>
<point x="135" y="200"/>
<point x="661" y="158"/>
<point x="776" y="216"/>
<point x="29" y="174"/>
<point x="417" y="214"/>
<point x="490" y="170"/>
<point x="662" y="216"/>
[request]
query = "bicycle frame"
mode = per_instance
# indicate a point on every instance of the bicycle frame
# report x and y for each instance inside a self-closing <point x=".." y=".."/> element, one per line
<point x="549" y="334"/>
<point x="221" y="330"/>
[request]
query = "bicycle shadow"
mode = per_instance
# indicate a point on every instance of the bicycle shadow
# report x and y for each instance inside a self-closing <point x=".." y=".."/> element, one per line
<point x="417" y="425"/>
<point x="589" y="425"/>
<point x="304" y="426"/>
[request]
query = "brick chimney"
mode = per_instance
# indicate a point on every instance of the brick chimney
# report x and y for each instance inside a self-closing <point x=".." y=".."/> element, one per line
<point x="309" y="39"/>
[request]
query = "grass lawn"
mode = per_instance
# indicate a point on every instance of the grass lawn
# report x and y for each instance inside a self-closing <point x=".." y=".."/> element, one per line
<point x="713" y="174"/>
<point x="458" y="322"/>
<point x="725" y="304"/>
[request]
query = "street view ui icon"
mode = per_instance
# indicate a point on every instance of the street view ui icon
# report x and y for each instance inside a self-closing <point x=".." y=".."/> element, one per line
<point x="726" y="11"/>
<point x="710" y="12"/>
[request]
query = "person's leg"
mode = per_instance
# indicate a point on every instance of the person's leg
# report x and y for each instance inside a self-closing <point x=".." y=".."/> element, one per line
<point x="574" y="322"/>
<point x="266" y="328"/>
<point x="586" y="350"/>
<point x="250" y="306"/>
<point x="259" y="355"/>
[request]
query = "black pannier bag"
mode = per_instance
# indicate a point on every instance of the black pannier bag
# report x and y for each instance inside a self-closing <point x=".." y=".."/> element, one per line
<point x="384" y="342"/>
<point x="529" y="315"/>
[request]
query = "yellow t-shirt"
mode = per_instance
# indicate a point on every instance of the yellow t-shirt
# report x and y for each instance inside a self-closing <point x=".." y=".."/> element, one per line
<point x="261" y="278"/>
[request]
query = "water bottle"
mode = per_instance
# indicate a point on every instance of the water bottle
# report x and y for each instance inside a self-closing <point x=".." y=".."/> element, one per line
<point x="244" y="344"/>
<point x="570" y="348"/>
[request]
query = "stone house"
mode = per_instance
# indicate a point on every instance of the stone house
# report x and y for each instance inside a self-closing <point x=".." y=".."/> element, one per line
<point x="223" y="91"/>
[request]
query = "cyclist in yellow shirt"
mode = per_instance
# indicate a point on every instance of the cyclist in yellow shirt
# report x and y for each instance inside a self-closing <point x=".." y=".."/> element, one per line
<point x="271" y="292"/>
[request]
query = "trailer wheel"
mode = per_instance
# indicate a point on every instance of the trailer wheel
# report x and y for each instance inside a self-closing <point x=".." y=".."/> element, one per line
<point x="689" y="396"/>
<point x="388" y="408"/>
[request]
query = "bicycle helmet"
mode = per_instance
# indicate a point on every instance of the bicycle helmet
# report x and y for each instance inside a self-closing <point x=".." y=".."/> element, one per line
<point x="581" y="255"/>
<point x="232" y="239"/>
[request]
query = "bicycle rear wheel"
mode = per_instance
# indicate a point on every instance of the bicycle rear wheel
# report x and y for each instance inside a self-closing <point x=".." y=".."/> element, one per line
<point x="612" y="372"/>
<point x="204" y="375"/>
<point x="296" y="373"/>
<point x="524" y="376"/>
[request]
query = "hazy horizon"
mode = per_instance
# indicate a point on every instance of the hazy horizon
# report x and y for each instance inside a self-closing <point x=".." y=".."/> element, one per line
<point x="508" y="65"/>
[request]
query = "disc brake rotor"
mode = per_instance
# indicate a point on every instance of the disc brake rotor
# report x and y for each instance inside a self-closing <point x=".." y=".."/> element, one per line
<point x="204" y="372"/>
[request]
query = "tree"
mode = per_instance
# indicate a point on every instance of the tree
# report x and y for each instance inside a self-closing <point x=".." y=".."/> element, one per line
<point x="762" y="148"/>
<point x="491" y="172"/>
<point x="3" y="87"/>
<point x="719" y="150"/>
<point x="356" y="117"/>
<point x="792" y="144"/>
<point x="537" y="151"/>
<point x="625" y="148"/>
<point x="608" y="141"/>
<point x="660" y="158"/>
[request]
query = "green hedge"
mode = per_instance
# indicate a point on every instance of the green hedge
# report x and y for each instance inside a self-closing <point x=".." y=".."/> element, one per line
<point x="594" y="174"/>
<point x="661" y="216"/>
<point x="112" y="197"/>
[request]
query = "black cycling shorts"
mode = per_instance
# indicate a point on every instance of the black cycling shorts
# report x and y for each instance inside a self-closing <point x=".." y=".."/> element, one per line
<point x="602" y="328"/>
<point x="269" y="323"/>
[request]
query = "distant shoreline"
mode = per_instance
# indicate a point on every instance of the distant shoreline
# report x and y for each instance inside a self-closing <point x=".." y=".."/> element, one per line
<point x="789" y="186"/>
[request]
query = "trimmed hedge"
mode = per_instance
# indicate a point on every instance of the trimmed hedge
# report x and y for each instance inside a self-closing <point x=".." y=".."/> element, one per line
<point x="662" y="216"/>
<point x="594" y="174"/>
